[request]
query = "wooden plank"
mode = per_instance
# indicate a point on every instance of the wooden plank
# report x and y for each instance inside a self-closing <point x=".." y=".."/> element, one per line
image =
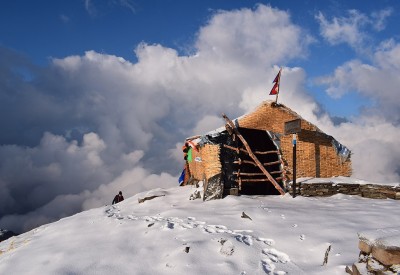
<point x="251" y="154"/>
<point x="276" y="172"/>
<point x="272" y="163"/>
<point x="255" y="164"/>
<point x="255" y="152"/>
<point x="255" y="180"/>
<point x="255" y="174"/>
<point x="245" y="161"/>
<point x="234" y="148"/>
<point x="266" y="152"/>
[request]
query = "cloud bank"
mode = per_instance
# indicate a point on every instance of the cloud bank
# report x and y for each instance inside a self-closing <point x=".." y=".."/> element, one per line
<point x="84" y="127"/>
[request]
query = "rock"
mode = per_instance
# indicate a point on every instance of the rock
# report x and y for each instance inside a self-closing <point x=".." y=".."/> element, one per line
<point x="149" y="198"/>
<point x="195" y="195"/>
<point x="364" y="247"/>
<point x="386" y="257"/>
<point x="359" y="269"/>
<point x="244" y="215"/>
<point x="214" y="188"/>
<point x="348" y="270"/>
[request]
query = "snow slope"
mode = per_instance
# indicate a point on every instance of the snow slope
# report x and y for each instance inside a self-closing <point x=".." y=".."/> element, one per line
<point x="174" y="235"/>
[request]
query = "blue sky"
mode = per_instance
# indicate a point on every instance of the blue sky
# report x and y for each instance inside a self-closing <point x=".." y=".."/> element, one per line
<point x="97" y="95"/>
<point x="47" y="29"/>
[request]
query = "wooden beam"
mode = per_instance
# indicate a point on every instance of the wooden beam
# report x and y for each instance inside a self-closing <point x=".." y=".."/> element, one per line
<point x="272" y="163"/>
<point x="255" y="174"/>
<point x="255" y="152"/>
<point x="234" y="148"/>
<point x="192" y="138"/>
<point x="276" y="172"/>
<point x="254" y="180"/>
<point x="251" y="154"/>
<point x="255" y="164"/>
<point x="245" y="161"/>
<point x="266" y="152"/>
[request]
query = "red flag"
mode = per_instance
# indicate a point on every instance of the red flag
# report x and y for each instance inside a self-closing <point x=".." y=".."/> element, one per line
<point x="275" y="88"/>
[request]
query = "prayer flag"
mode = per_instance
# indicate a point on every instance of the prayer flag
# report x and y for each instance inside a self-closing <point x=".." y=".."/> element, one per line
<point x="275" y="88"/>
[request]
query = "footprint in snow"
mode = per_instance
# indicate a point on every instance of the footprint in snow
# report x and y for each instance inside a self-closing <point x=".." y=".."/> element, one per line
<point x="266" y="241"/>
<point x="148" y="219"/>
<point x="220" y="228"/>
<point x="186" y="226"/>
<point x="283" y="217"/>
<point x="215" y="228"/>
<point x="302" y="237"/>
<point x="275" y="255"/>
<point x="268" y="266"/>
<point x="246" y="239"/>
<point x="209" y="229"/>
<point x="242" y="231"/>
<point x="175" y="220"/>
<point x="294" y="225"/>
<point x="199" y="222"/>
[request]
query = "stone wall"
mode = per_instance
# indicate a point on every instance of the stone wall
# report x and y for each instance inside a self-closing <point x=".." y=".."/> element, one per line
<point x="379" y="254"/>
<point x="373" y="191"/>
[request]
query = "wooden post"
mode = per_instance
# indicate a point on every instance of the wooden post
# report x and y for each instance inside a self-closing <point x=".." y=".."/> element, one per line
<point x="294" y="166"/>
<point x="251" y="154"/>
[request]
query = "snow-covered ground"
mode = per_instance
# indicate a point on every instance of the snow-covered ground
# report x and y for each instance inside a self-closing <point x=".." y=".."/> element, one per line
<point x="174" y="235"/>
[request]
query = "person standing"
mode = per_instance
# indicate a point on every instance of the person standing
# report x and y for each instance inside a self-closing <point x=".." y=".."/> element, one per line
<point x="118" y="198"/>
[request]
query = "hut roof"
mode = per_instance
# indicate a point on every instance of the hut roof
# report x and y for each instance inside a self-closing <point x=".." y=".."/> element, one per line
<point x="260" y="112"/>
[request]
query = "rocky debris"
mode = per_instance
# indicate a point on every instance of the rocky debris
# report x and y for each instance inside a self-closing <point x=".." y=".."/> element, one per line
<point x="195" y="195"/>
<point x="213" y="188"/>
<point x="379" y="253"/>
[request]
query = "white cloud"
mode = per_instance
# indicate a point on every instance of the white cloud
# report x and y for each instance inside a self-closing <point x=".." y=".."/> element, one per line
<point x="352" y="28"/>
<point x="248" y="36"/>
<point x="378" y="80"/>
<point x="343" y="29"/>
<point x="379" y="18"/>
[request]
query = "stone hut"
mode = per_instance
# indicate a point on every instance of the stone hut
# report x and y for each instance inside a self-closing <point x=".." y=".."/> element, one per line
<point x="221" y="158"/>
